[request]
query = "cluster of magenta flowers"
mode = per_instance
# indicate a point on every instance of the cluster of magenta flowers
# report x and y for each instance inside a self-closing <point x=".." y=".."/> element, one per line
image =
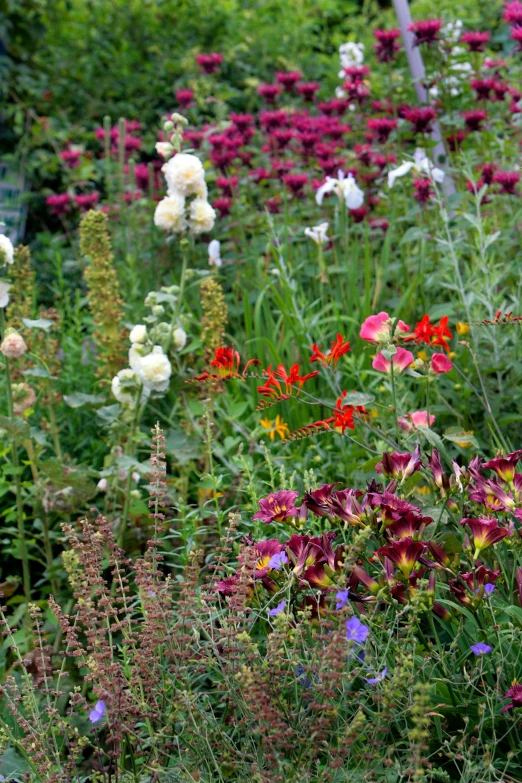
<point x="300" y="135"/>
<point x="406" y="552"/>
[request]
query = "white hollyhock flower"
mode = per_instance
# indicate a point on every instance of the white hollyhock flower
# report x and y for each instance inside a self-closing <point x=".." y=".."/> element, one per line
<point x="170" y="214"/>
<point x="124" y="386"/>
<point x="138" y="334"/>
<point x="345" y="188"/>
<point x="164" y="148"/>
<point x="214" y="253"/>
<point x="318" y="233"/>
<point x="202" y="216"/>
<point x="351" y="54"/>
<point x="185" y="175"/>
<point x="7" y="256"/>
<point x="154" y="370"/>
<point x="4" y="293"/>
<point x="420" y="164"/>
<point x="179" y="336"/>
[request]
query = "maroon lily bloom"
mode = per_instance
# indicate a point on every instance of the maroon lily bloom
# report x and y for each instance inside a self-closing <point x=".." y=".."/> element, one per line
<point x="439" y="477"/>
<point x="485" y="532"/>
<point x="399" y="465"/>
<point x="504" y="467"/>
<point x="515" y="694"/>
<point x="277" y="507"/>
<point x="319" y="501"/>
<point x="266" y="550"/>
<point x="480" y="576"/>
<point x="438" y="554"/>
<point x="409" y="526"/>
<point x="404" y="553"/>
<point x="303" y="551"/>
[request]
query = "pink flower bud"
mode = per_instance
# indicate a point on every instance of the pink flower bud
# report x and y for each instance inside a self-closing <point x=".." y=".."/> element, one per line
<point x="440" y="363"/>
<point x="13" y="345"/>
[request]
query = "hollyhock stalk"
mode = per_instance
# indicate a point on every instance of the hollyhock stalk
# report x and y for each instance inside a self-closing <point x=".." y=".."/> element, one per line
<point x="17" y="480"/>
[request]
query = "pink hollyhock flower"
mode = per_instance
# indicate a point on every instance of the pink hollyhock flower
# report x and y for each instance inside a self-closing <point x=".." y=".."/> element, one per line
<point x="377" y="328"/>
<point x="401" y="359"/>
<point x="415" y="419"/>
<point x="440" y="363"/>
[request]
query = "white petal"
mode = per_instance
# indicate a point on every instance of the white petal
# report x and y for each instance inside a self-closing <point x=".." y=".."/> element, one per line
<point x="401" y="171"/>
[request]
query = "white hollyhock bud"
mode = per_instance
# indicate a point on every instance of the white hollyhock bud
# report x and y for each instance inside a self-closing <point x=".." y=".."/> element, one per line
<point x="138" y="334"/>
<point x="179" y="336"/>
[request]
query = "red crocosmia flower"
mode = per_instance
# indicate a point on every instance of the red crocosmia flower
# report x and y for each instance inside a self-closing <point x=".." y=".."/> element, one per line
<point x="515" y="692"/>
<point x="387" y="44"/>
<point x="440" y="363"/>
<point x="485" y="532"/>
<point x="226" y="361"/>
<point x="400" y="465"/>
<point x="400" y="360"/>
<point x="475" y="41"/>
<point x="343" y="415"/>
<point x="504" y="467"/>
<point x="277" y="507"/>
<point x="272" y="386"/>
<point x="403" y="553"/>
<point x="431" y="334"/>
<point x="377" y="328"/>
<point x="339" y="348"/>
<point x="426" y="31"/>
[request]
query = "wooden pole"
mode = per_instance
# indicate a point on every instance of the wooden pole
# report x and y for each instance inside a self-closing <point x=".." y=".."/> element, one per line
<point x="418" y="73"/>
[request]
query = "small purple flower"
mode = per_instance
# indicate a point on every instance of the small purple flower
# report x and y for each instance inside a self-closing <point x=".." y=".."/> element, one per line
<point x="98" y="712"/>
<point x="480" y="649"/>
<point x="278" y="561"/>
<point x="356" y="631"/>
<point x="342" y="598"/>
<point x="378" y="677"/>
<point x="488" y="589"/>
<point x="277" y="609"/>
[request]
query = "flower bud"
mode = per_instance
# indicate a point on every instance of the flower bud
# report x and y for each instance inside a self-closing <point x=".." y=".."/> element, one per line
<point x="103" y="485"/>
<point x="13" y="345"/>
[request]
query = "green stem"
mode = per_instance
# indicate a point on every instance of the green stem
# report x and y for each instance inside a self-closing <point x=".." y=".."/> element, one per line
<point x="394" y="398"/>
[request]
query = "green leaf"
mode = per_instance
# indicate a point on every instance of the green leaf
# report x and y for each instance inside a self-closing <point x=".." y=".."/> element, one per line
<point x="40" y="323"/>
<point x="358" y="398"/>
<point x="432" y="437"/>
<point x="182" y="447"/>
<point x="37" y="372"/>
<point x="16" y="428"/>
<point x="108" y="413"/>
<point x="79" y="399"/>
<point x="11" y="763"/>
<point x="461" y="437"/>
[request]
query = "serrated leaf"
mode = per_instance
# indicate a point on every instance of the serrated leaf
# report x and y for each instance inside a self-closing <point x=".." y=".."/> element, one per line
<point x="39" y="323"/>
<point x="358" y="398"/>
<point x="79" y="399"/>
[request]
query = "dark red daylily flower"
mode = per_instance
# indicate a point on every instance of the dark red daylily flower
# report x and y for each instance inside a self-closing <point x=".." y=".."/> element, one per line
<point x="277" y="507"/>
<point x="504" y="467"/>
<point x="404" y="553"/>
<point x="399" y="465"/>
<point x="515" y="694"/>
<point x="439" y="477"/>
<point x="409" y="526"/>
<point x="480" y="576"/>
<point x="485" y="532"/>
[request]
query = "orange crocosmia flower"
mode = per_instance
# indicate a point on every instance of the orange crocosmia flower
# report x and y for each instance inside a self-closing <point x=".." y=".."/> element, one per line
<point x="431" y="334"/>
<point x="338" y="349"/>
